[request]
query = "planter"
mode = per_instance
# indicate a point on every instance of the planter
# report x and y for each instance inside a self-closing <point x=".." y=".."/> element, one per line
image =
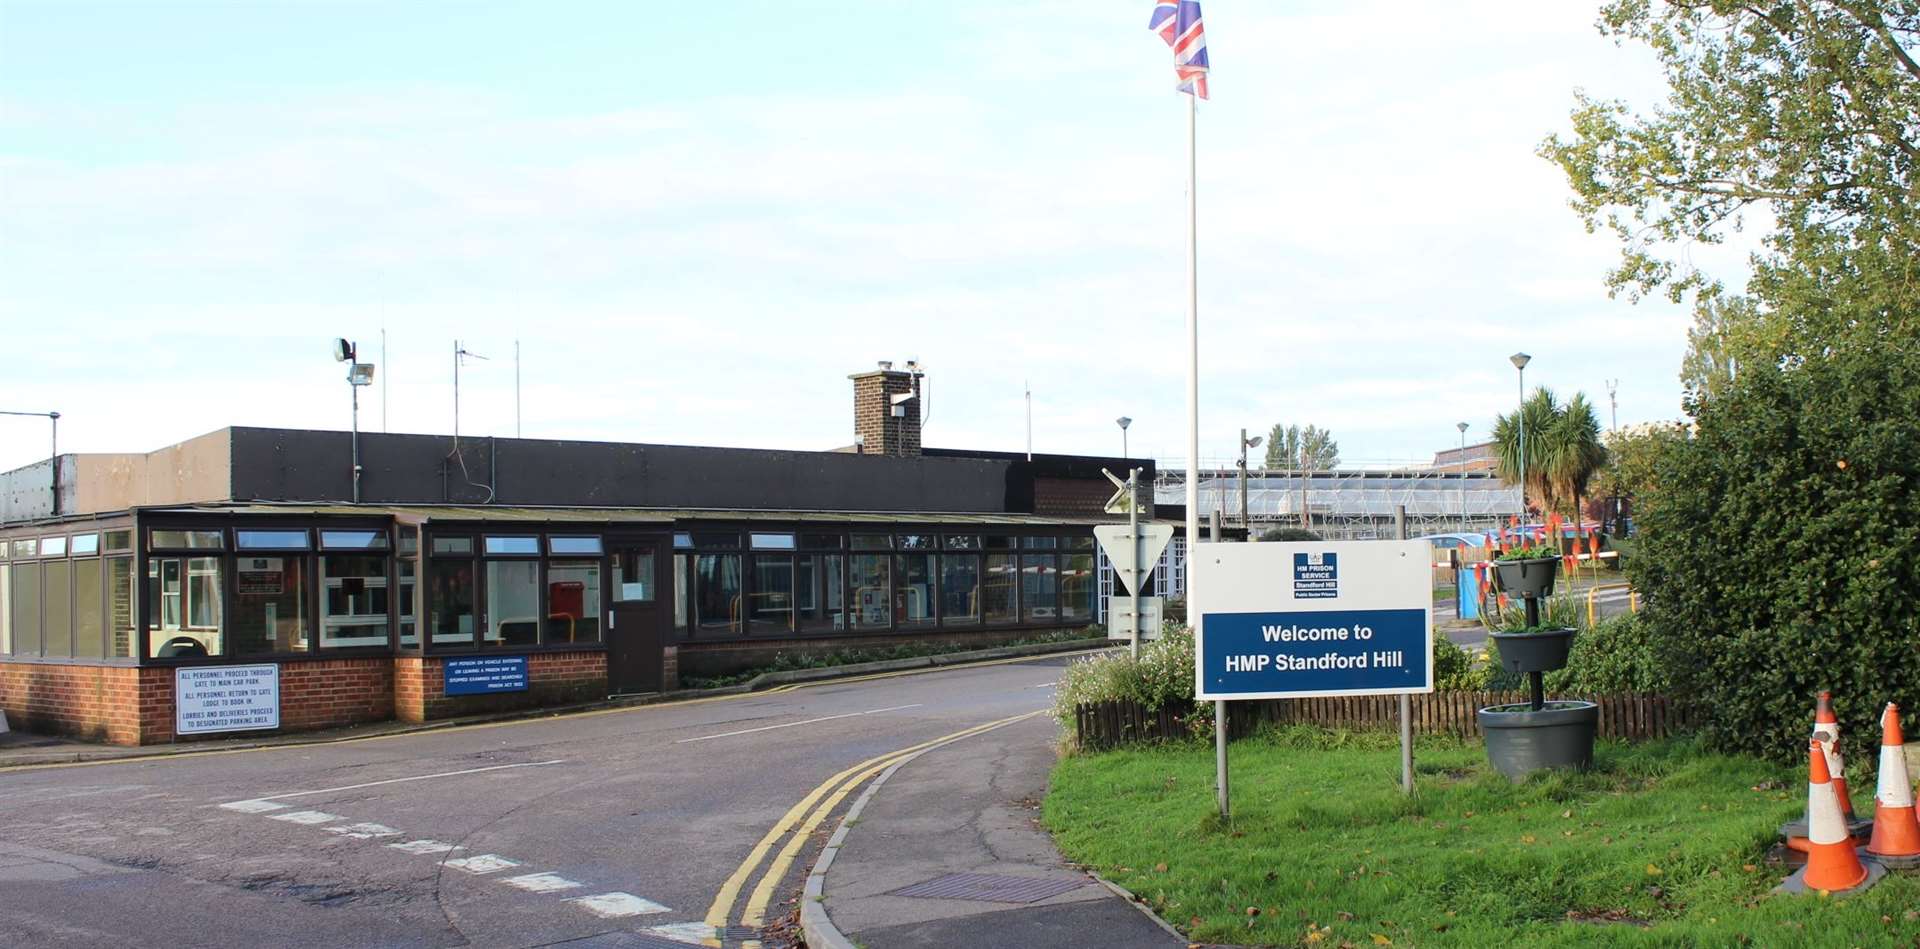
<point x="1526" y="577"/>
<point x="1543" y="651"/>
<point x="1521" y="740"/>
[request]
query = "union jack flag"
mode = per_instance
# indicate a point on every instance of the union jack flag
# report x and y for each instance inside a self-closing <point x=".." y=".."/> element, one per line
<point x="1178" y="22"/>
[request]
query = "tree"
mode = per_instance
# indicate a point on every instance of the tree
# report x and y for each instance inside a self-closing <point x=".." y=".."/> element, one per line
<point x="1633" y="461"/>
<point x="1562" y="449"/>
<point x="1803" y="116"/>
<point x="1292" y="448"/>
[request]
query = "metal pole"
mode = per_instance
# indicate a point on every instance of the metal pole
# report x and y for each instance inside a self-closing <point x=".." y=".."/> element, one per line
<point x="1521" y="414"/>
<point x="516" y="388"/>
<point x="1406" y="701"/>
<point x="1139" y="553"/>
<point x="55" y="465"/>
<point x="1245" y="524"/>
<point x="356" y="440"/>
<point x="1463" y="477"/>
<point x="385" y="374"/>
<point x="1029" y="423"/>
<point x="1193" y="366"/>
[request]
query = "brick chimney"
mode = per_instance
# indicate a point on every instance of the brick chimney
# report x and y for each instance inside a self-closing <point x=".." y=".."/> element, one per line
<point x="886" y="411"/>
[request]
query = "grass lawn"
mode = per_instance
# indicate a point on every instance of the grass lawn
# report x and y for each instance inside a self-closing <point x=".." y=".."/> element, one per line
<point x="1660" y="845"/>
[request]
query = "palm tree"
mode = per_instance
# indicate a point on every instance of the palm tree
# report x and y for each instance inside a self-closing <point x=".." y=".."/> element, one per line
<point x="1539" y="412"/>
<point x="1575" y="452"/>
<point x="1563" y="449"/>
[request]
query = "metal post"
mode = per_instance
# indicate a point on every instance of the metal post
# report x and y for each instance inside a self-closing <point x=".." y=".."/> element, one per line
<point x="1220" y="757"/>
<point x="1406" y="701"/>
<point x="55" y="465"/>
<point x="356" y="440"/>
<point x="1520" y="413"/>
<point x="1463" y="476"/>
<point x="1139" y="554"/>
<point x="1244" y="523"/>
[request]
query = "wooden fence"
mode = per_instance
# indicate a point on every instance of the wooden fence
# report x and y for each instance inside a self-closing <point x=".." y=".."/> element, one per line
<point x="1629" y="716"/>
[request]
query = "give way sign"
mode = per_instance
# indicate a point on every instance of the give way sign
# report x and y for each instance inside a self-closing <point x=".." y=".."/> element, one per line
<point x="1131" y="561"/>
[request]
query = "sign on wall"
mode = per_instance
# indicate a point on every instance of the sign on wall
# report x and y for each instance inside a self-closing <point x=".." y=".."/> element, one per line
<point x="1306" y="618"/>
<point x="485" y="675"/>
<point x="225" y="698"/>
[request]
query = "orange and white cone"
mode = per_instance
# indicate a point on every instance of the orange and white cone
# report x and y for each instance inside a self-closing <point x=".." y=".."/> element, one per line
<point x="1896" y="831"/>
<point x="1826" y="730"/>
<point x="1832" y="863"/>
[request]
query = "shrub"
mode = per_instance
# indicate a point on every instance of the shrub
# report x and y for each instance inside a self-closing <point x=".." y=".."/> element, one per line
<point x="1780" y="553"/>
<point x="1161" y="678"/>
<point x="1618" y="655"/>
<point x="1454" y="669"/>
<point x="1288" y="533"/>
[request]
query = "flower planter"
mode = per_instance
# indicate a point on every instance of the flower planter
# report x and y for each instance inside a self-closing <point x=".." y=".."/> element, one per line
<point x="1542" y="651"/>
<point x="1526" y="577"/>
<point x="1521" y="739"/>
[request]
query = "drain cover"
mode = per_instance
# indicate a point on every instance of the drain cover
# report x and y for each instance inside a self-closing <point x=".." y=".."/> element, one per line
<point x="732" y="933"/>
<point x="990" y="887"/>
<point x="624" y="940"/>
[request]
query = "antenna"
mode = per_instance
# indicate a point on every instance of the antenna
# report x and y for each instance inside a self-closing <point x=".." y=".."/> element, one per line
<point x="383" y="378"/>
<point x="1613" y="397"/>
<point x="1029" y="388"/>
<point x="459" y="353"/>
<point x="516" y="388"/>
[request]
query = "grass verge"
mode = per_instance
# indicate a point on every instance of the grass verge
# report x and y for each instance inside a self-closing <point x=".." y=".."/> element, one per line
<point x="1660" y="845"/>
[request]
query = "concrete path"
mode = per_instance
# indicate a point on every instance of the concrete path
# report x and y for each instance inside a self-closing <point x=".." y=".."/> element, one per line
<point x="971" y="808"/>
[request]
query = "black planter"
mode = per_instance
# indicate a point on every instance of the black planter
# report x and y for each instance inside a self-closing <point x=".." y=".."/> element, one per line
<point x="1526" y="577"/>
<point x="1521" y="740"/>
<point x="1543" y="651"/>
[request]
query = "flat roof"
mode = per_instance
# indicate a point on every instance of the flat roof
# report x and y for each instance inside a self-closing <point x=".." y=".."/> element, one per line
<point x="535" y="514"/>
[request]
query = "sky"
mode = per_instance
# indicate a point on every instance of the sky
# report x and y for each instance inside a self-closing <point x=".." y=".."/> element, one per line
<point x="695" y="220"/>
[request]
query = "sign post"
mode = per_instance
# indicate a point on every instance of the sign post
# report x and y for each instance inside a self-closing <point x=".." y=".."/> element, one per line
<point x="1310" y="618"/>
<point x="1131" y="548"/>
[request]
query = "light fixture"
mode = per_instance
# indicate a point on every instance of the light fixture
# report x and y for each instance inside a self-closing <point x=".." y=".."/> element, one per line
<point x="1255" y="441"/>
<point x="342" y="351"/>
<point x="1123" y="422"/>
<point x="360" y="374"/>
<point x="1520" y="360"/>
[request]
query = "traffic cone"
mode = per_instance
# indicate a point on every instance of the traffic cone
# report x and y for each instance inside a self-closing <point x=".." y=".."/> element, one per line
<point x="1832" y="864"/>
<point x="1896" y="831"/>
<point x="1826" y="734"/>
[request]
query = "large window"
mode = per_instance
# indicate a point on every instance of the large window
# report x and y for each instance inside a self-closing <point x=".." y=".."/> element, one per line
<point x="355" y="599"/>
<point x="56" y="608"/>
<point x="573" y="601"/>
<point x="184" y="597"/>
<point x="1001" y="588"/>
<point x="89" y="625"/>
<point x="773" y="593"/>
<point x="716" y="590"/>
<point x="120" y="615"/>
<point x="822" y="585"/>
<point x="871" y="594"/>
<point x="450" y="602"/>
<point x="1078" y="587"/>
<point x="1039" y="587"/>
<point x="407" y="567"/>
<point x="959" y="589"/>
<point x="513" y="603"/>
<point x="913" y="585"/>
<point x="633" y="576"/>
<point x="270" y="605"/>
<point x="26" y="609"/>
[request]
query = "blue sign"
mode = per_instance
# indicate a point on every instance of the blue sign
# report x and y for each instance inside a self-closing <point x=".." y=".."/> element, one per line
<point x="1334" y="652"/>
<point x="1316" y="576"/>
<point x="486" y="676"/>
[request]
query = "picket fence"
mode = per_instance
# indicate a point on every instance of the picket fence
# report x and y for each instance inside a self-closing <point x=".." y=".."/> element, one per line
<point x="1631" y="716"/>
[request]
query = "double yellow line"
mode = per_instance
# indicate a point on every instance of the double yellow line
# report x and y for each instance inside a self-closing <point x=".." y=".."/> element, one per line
<point x="799" y="823"/>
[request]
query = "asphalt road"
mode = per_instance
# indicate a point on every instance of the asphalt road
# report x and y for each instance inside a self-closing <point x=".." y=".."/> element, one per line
<point x="616" y="828"/>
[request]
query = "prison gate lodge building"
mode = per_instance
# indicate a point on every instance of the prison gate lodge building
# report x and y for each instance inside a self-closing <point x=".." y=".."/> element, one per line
<point x="229" y="584"/>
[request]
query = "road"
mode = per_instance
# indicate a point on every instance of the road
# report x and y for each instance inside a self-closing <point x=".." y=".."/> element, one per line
<point x="1610" y="599"/>
<point x="627" y="827"/>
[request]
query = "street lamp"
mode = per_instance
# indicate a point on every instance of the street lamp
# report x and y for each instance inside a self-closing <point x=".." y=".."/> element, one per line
<point x="53" y="461"/>
<point x="1462" y="426"/>
<point x="1245" y="443"/>
<point x="1123" y="422"/>
<point x="358" y="374"/>
<point x="1520" y="361"/>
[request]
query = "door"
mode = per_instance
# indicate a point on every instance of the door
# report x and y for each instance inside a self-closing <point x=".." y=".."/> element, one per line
<point x="639" y="620"/>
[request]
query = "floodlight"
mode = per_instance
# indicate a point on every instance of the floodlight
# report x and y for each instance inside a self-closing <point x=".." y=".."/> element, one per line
<point x="360" y="374"/>
<point x="1255" y="441"/>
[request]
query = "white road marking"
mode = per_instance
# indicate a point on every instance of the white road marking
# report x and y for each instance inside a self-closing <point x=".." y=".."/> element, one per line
<point x="252" y="807"/>
<point x="482" y="863"/>
<point x="426" y="847"/>
<point x="541" y="883"/>
<point x="828" y="718"/>
<point x="617" y="905"/>
<point x="1045" y="685"/>
<point x="365" y="831"/>
<point x="417" y="777"/>
<point x="693" y="934"/>
<point x="309" y="818"/>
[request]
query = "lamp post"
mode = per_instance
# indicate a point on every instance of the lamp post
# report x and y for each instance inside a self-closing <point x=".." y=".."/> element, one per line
<point x="358" y="374"/>
<point x="1123" y="422"/>
<point x="1245" y="443"/>
<point x="53" y="460"/>
<point x="1520" y="361"/>
<point x="1462" y="426"/>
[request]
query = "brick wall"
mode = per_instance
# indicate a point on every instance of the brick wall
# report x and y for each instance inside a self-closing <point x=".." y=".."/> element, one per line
<point x="1074" y="497"/>
<point x="873" y="413"/>
<point x="553" y="678"/>
<point x="100" y="703"/>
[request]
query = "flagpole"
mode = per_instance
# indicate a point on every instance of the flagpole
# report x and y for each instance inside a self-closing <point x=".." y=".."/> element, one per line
<point x="1193" y="360"/>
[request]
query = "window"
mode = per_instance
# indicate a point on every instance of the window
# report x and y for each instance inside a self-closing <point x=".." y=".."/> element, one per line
<point x="6" y="608"/>
<point x="513" y="601"/>
<point x="1000" y="593"/>
<point x="963" y="542"/>
<point x="25" y="548"/>
<point x="683" y="541"/>
<point x="450" y="598"/>
<point x="1078" y="587"/>
<point x="704" y="539"/>
<point x="772" y="541"/>
<point x="872" y="541"/>
<point x="999" y="543"/>
<point x="823" y="541"/>
<point x="56" y="609"/>
<point x="821" y="583"/>
<point x="185" y="595"/>
<point x="453" y="546"/>
<point x="1039" y="543"/>
<point x="120" y="593"/>
<point x="354" y="600"/>
<point x="353" y="540"/>
<point x="871" y="596"/>
<point x="26" y="609"/>
<point x="1077" y="543"/>
<point x="271" y="540"/>
<point x="772" y="592"/>
<point x="573" y="601"/>
<point x="681" y="564"/>
<point x="1039" y="587"/>
<point x="959" y="589"/>
<point x="89" y="628"/>
<point x="184" y="540"/>
<point x="86" y="545"/>
<point x="512" y="546"/>
<point x="633" y="576"/>
<point x="913" y="589"/>
<point x="119" y="542"/>
<point x="716" y="591"/>
<point x="409" y="600"/>
<point x="915" y="541"/>
<point x="270" y="605"/>
<point x="574" y="546"/>
<point x="53" y="546"/>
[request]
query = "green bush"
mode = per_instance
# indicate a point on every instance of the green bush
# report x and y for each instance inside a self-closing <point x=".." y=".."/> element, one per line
<point x="1780" y="554"/>
<point x="1618" y="655"/>
<point x="1454" y="669"/>
<point x="1162" y="677"/>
